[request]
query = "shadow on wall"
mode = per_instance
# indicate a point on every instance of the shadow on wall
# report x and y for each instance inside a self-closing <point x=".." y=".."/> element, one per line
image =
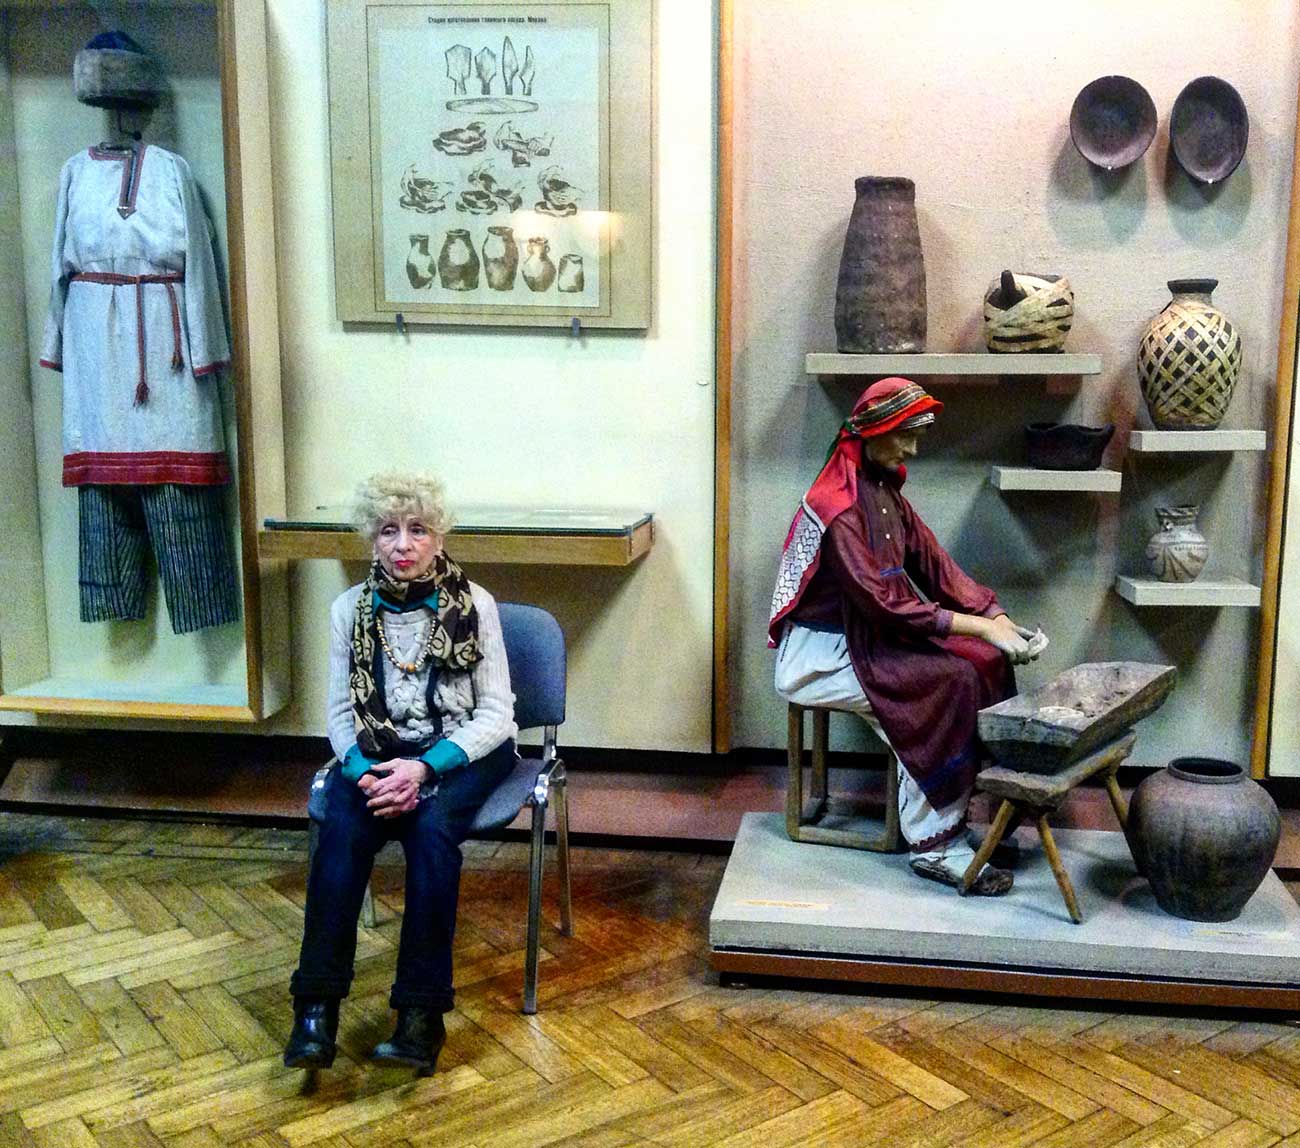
<point x="1092" y="207"/>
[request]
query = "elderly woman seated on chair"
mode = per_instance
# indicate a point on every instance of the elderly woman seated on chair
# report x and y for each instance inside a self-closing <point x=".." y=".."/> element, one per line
<point x="421" y="719"/>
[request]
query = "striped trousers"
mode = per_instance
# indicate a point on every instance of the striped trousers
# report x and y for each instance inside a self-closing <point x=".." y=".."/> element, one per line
<point x="185" y="529"/>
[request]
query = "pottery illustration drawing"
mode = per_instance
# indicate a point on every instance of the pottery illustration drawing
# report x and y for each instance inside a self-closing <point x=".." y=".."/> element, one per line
<point x="500" y="258"/>
<point x="538" y="269"/>
<point x="458" y="263"/>
<point x="571" y="279"/>
<point x="419" y="263"/>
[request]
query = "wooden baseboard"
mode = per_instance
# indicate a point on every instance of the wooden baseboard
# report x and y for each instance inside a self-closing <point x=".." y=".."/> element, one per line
<point x="736" y="965"/>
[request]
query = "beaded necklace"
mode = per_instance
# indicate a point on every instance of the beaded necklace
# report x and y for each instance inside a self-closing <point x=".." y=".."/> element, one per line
<point x="425" y="651"/>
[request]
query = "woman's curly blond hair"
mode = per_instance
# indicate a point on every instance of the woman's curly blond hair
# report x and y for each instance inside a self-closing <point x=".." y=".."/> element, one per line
<point x="399" y="494"/>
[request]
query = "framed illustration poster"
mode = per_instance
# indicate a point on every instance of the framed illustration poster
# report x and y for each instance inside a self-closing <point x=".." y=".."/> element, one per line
<point x="491" y="162"/>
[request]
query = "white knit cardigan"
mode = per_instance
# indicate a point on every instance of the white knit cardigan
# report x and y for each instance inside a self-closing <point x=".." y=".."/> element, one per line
<point x="478" y="708"/>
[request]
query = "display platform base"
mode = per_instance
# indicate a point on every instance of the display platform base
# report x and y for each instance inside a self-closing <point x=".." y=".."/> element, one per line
<point x="809" y="911"/>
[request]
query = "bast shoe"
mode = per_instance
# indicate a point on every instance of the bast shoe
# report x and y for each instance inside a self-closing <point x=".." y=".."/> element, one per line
<point x="416" y="1041"/>
<point x="991" y="882"/>
<point x="315" y="1028"/>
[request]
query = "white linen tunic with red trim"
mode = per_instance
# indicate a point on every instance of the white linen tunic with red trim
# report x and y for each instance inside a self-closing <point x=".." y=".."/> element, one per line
<point x="135" y="322"/>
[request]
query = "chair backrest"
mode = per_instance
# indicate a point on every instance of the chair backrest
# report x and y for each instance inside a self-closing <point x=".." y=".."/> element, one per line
<point x="535" y="652"/>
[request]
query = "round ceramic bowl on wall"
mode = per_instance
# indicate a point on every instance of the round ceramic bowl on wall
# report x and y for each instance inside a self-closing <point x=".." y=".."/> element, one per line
<point x="1208" y="129"/>
<point x="1113" y="122"/>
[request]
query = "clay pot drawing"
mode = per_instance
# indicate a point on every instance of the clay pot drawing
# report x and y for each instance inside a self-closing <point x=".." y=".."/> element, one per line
<point x="458" y="264"/>
<point x="571" y="280"/>
<point x="538" y="269"/>
<point x="1026" y="312"/>
<point x="1178" y="551"/>
<point x="419" y="263"/>
<point x="1204" y="835"/>
<point x="500" y="258"/>
<point x="1189" y="359"/>
<point x="880" y="296"/>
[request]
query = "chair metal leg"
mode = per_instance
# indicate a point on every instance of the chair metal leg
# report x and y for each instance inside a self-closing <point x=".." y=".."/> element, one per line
<point x="368" y="908"/>
<point x="560" y="785"/>
<point x="534" y="908"/>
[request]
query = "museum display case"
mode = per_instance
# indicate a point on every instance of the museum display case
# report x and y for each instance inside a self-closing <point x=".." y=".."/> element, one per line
<point x="184" y="270"/>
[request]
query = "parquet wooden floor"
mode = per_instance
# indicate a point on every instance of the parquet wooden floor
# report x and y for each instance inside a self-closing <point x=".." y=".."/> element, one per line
<point x="143" y="1002"/>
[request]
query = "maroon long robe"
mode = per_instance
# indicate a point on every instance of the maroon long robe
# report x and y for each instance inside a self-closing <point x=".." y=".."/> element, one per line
<point x="925" y="684"/>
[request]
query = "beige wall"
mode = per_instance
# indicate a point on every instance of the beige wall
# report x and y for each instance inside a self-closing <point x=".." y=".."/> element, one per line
<point x="536" y="418"/>
<point x="972" y="103"/>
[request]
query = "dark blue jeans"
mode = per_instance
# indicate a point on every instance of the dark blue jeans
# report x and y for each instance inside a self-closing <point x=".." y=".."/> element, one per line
<point x="431" y="835"/>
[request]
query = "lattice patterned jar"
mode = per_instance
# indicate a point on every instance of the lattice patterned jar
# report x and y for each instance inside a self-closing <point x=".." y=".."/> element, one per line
<point x="1189" y="359"/>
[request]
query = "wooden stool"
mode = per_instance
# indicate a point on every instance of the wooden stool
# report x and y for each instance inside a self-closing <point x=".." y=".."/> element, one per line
<point x="1037" y="795"/>
<point x="802" y="822"/>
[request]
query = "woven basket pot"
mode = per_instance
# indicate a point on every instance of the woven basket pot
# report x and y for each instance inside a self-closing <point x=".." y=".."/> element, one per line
<point x="1035" y="318"/>
<point x="1189" y="359"/>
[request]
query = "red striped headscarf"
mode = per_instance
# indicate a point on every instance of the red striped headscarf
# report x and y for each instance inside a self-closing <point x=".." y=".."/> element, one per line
<point x="888" y="405"/>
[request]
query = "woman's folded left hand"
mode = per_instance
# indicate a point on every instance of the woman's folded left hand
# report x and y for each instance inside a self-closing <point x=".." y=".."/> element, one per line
<point x="394" y="786"/>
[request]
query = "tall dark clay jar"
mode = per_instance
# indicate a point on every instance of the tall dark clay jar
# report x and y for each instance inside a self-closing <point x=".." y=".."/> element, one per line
<point x="1204" y="834"/>
<point x="880" y="296"/>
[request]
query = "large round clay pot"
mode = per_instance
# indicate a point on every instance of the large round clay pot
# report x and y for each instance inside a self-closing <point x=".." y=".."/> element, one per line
<point x="1178" y="551"/>
<point x="500" y="258"/>
<point x="1189" y="359"/>
<point x="458" y="264"/>
<point x="1204" y="834"/>
<point x="880" y="296"/>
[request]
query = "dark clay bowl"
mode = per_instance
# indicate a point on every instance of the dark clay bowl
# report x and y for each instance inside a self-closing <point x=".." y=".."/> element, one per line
<point x="1064" y="446"/>
<point x="1113" y="122"/>
<point x="1208" y="129"/>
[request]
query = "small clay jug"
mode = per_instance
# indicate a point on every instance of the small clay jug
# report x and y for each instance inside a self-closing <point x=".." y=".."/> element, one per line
<point x="419" y="263"/>
<point x="1178" y="551"/>
<point x="1189" y="359"/>
<point x="1204" y="835"/>
<point x="880" y="295"/>
<point x="458" y="264"/>
<point x="538" y="269"/>
<point x="571" y="278"/>
<point x="500" y="258"/>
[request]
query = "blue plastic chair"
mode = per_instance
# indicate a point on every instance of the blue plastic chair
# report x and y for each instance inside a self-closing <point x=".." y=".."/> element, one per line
<point x="536" y="656"/>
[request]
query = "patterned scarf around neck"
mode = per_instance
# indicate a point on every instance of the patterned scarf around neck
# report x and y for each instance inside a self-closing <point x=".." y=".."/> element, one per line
<point x="445" y="590"/>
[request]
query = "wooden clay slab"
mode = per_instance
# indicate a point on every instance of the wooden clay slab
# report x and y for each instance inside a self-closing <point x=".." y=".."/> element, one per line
<point x="1079" y="710"/>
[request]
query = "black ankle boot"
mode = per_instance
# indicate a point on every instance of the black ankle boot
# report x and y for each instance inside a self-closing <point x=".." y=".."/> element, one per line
<point x="416" y="1041"/>
<point x="315" y="1027"/>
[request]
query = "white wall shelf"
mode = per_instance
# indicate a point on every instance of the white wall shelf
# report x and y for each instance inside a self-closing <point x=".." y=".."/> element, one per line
<point x="1062" y="481"/>
<point x="1202" y="592"/>
<point x="829" y="363"/>
<point x="1195" y="441"/>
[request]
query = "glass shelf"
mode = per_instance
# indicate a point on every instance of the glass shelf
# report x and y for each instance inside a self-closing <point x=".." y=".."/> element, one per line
<point x="559" y="536"/>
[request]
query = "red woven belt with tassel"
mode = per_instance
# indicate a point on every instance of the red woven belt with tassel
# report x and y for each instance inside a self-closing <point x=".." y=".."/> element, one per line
<point x="168" y="279"/>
